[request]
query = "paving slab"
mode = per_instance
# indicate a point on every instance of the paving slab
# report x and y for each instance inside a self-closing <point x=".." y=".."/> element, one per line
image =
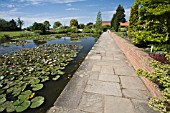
<point x="96" y="68"/>
<point x="107" y="69"/>
<point x="142" y="107"/>
<point x="136" y="94"/>
<point x="107" y="58"/>
<point x="132" y="83"/>
<point x="118" y="105"/>
<point x="94" y="75"/>
<point x="91" y="102"/>
<point x="108" y="77"/>
<point x="124" y="70"/>
<point x="106" y="88"/>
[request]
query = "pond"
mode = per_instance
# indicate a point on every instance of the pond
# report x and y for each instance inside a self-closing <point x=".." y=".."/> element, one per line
<point x="52" y="89"/>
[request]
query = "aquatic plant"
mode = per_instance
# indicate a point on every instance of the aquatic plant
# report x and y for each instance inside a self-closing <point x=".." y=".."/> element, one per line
<point x="23" y="72"/>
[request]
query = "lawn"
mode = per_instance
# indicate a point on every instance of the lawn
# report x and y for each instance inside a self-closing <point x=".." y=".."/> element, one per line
<point x="11" y="33"/>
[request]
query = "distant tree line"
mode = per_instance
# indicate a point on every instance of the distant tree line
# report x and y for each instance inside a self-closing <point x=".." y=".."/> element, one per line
<point x="11" y="25"/>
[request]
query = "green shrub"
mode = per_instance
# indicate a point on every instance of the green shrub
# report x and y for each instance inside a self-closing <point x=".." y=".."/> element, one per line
<point x="123" y="29"/>
<point x="27" y="34"/>
<point x="5" y="38"/>
<point x="149" y="37"/>
<point x="38" y="32"/>
<point x="161" y="77"/>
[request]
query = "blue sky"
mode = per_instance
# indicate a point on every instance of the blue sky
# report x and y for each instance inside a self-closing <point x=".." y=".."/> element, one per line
<point x="61" y="10"/>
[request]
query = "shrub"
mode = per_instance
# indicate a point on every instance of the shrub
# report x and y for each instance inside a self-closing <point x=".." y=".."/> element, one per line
<point x="38" y="32"/>
<point x="5" y="38"/>
<point x="27" y="34"/>
<point x="123" y="29"/>
<point x="161" y="77"/>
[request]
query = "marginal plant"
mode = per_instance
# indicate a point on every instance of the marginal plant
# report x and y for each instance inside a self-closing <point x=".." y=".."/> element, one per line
<point x="161" y="77"/>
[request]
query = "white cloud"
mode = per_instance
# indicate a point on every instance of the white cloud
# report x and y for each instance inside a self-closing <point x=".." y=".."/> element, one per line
<point x="72" y="9"/>
<point x="91" y="5"/>
<point x="35" y="2"/>
<point x="10" y="6"/>
<point x="69" y="5"/>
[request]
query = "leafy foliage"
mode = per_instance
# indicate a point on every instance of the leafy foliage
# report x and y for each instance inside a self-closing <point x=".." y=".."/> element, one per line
<point x="8" y="25"/>
<point x="150" y="17"/>
<point x="161" y="77"/>
<point x="47" y="25"/>
<point x="73" y="23"/>
<point x="28" y="69"/>
<point x="119" y="16"/>
<point x="57" y="24"/>
<point x="98" y="21"/>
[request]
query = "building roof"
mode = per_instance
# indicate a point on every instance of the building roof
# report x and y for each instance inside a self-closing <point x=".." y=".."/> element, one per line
<point x="106" y="23"/>
<point x="125" y="24"/>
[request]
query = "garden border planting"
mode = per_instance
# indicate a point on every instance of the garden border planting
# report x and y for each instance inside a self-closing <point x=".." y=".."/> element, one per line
<point x="139" y="60"/>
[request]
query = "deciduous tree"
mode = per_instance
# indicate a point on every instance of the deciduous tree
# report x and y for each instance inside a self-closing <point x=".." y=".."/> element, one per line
<point x="73" y="23"/>
<point x="57" y="24"/>
<point x="20" y="23"/>
<point x="47" y="25"/>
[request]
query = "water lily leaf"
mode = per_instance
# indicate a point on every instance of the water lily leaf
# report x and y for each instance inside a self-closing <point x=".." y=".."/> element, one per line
<point x="35" y="81"/>
<point x="61" y="72"/>
<point x="10" y="90"/>
<point x="37" y="87"/>
<point x="2" y="91"/>
<point x="27" y="92"/>
<point x="57" y="77"/>
<point x="16" y="92"/>
<point x="23" y="106"/>
<point x="3" y="106"/>
<point x="10" y="107"/>
<point x="23" y="86"/>
<point x="37" y="101"/>
<point x="62" y="68"/>
<point x="44" y="78"/>
<point x="2" y="100"/>
<point x="3" y="95"/>
<point x="18" y="102"/>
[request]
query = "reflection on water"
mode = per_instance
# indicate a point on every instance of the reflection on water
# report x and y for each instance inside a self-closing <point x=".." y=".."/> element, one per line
<point x="52" y="89"/>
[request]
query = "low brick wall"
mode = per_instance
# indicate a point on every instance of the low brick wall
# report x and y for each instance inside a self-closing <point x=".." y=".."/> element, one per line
<point x="138" y="59"/>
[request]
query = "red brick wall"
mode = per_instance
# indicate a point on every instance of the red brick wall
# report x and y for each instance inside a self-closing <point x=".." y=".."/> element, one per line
<point x="138" y="59"/>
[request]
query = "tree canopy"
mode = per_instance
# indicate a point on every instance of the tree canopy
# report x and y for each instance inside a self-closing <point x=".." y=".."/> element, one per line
<point x="73" y="23"/>
<point x="98" y="21"/>
<point x="118" y="17"/>
<point x="152" y="21"/>
<point x="47" y="25"/>
<point x="20" y="23"/>
<point x="57" y="24"/>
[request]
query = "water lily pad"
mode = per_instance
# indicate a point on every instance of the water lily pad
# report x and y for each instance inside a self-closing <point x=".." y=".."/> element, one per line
<point x="35" y="81"/>
<point x="3" y="106"/>
<point x="10" y="107"/>
<point x="44" y="78"/>
<point x="2" y="100"/>
<point x="23" y="106"/>
<point x="57" y="77"/>
<point x="16" y="91"/>
<point x="37" y="87"/>
<point x="37" y="101"/>
<point x="27" y="92"/>
<point x="60" y="72"/>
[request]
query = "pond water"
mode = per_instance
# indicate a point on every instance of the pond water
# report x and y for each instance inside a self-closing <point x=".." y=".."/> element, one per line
<point x="52" y="89"/>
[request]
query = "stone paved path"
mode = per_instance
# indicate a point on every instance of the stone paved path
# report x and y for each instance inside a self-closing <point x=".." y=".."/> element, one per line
<point x="104" y="83"/>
